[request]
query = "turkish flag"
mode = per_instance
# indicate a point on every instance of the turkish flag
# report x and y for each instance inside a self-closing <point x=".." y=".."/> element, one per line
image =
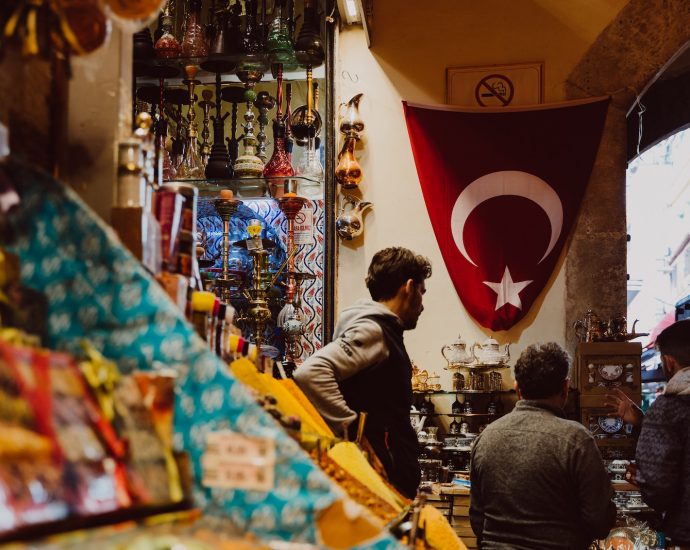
<point x="503" y="188"/>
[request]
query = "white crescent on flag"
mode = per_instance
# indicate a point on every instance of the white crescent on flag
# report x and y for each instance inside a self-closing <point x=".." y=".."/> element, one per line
<point x="507" y="182"/>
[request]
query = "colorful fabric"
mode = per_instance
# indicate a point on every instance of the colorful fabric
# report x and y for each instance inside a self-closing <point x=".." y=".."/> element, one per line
<point x="503" y="188"/>
<point x="98" y="291"/>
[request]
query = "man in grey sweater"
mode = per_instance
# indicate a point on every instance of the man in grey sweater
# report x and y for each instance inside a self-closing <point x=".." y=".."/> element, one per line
<point x="663" y="449"/>
<point x="366" y="367"/>
<point x="538" y="480"/>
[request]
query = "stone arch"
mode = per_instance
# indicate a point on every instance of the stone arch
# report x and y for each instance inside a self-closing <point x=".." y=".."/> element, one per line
<point x="626" y="56"/>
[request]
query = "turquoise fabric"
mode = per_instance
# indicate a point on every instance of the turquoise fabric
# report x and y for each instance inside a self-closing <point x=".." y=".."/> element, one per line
<point x="98" y="291"/>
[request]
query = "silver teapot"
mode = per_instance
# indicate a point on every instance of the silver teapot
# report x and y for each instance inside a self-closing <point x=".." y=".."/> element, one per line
<point x="349" y="223"/>
<point x="489" y="353"/>
<point x="456" y="353"/>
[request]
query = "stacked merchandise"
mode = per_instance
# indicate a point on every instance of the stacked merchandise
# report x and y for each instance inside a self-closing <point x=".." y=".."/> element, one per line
<point x="97" y="291"/>
<point x="605" y="367"/>
<point x="64" y="457"/>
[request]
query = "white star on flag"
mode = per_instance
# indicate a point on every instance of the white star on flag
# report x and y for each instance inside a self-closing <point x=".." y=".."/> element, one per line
<point x="507" y="291"/>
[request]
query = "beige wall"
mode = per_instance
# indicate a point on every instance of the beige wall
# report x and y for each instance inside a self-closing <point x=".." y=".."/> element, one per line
<point x="409" y="54"/>
<point x="100" y="111"/>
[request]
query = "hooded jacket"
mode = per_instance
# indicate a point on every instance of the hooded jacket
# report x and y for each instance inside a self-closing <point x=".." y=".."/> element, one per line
<point x="366" y="368"/>
<point x="663" y="458"/>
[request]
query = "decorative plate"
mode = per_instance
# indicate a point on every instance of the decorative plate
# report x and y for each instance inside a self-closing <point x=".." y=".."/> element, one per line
<point x="610" y="372"/>
<point x="610" y="424"/>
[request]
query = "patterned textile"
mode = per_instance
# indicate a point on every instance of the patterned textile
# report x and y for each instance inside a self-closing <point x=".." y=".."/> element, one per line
<point x="309" y="257"/>
<point x="98" y="291"/>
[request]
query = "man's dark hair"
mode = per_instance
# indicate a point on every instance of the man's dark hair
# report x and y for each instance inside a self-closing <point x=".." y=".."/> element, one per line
<point x="390" y="268"/>
<point x="541" y="369"/>
<point x="675" y="341"/>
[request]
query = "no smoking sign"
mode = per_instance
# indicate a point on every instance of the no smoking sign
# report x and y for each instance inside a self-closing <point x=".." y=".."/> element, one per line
<point x="494" y="90"/>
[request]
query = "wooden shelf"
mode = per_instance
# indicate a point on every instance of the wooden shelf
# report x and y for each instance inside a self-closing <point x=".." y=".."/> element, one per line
<point x="150" y="70"/>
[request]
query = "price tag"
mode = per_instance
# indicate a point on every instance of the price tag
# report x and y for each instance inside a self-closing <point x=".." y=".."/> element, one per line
<point x="304" y="226"/>
<point x="254" y="244"/>
<point x="238" y="461"/>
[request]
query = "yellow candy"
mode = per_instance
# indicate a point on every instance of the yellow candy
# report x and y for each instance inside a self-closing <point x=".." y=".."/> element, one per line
<point x="351" y="459"/>
<point x="438" y="532"/>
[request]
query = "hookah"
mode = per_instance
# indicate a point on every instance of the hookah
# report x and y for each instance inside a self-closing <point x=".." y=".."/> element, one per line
<point x="191" y="167"/>
<point x="164" y="163"/>
<point x="167" y="46"/>
<point x="309" y="166"/>
<point x="219" y="37"/>
<point x="193" y="42"/>
<point x="290" y="318"/>
<point x="264" y="103"/>
<point x="279" y="46"/>
<point x="219" y="164"/>
<point x="251" y="39"/>
<point x="179" y="146"/>
<point x="249" y="165"/>
<point x="289" y="142"/>
<point x="279" y="165"/>
<point x="233" y="33"/>
<point x="234" y="95"/>
<point x="258" y="312"/>
<point x="306" y="121"/>
<point x="210" y="28"/>
<point x="309" y="46"/>
<point x="226" y="206"/>
<point x="206" y="105"/>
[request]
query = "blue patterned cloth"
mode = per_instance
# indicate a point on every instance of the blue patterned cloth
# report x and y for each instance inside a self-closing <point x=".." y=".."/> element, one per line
<point x="98" y="291"/>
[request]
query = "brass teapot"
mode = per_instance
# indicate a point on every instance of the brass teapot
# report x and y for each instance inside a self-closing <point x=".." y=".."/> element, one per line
<point x="489" y="353"/>
<point x="456" y="354"/>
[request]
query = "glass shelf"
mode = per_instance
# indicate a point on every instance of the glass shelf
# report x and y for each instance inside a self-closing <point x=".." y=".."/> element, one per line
<point x="478" y="366"/>
<point x="247" y="188"/>
<point x="453" y="392"/>
<point x="417" y="413"/>
<point x="151" y="70"/>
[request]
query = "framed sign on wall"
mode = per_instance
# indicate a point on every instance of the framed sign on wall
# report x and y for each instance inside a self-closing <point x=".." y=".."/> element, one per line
<point x="495" y="85"/>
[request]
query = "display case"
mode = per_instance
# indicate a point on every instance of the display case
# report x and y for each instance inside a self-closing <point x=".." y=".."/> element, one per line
<point x="241" y="98"/>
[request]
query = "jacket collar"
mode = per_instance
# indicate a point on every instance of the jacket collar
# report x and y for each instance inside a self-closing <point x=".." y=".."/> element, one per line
<point x="679" y="384"/>
<point x="528" y="405"/>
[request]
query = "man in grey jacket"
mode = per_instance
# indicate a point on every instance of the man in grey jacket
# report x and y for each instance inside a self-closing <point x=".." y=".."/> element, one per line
<point x="538" y="480"/>
<point x="366" y="367"/>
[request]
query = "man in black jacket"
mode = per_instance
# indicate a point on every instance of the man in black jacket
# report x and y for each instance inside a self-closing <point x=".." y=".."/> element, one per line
<point x="538" y="481"/>
<point x="663" y="449"/>
<point x="366" y="367"/>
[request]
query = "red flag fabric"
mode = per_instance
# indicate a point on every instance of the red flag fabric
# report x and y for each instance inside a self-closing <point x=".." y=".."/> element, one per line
<point x="502" y="189"/>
